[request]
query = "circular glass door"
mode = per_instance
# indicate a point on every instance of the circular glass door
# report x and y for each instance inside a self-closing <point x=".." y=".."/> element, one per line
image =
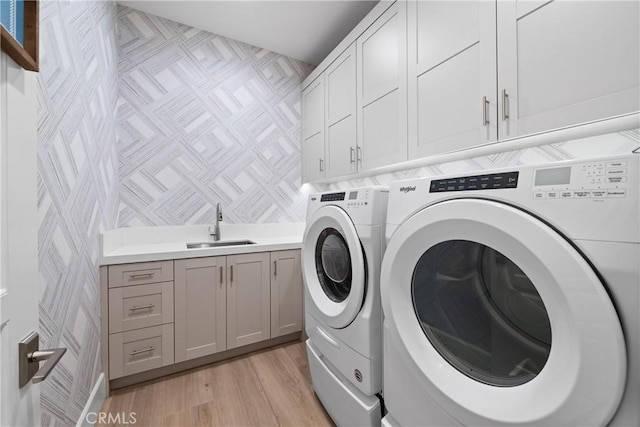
<point x="499" y="319"/>
<point x="481" y="312"/>
<point x="333" y="266"/>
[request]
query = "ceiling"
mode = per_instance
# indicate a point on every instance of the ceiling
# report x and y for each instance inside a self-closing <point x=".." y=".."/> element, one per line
<point x="302" y="29"/>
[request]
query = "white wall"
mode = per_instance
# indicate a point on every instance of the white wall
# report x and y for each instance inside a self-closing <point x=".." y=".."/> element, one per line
<point x="77" y="190"/>
<point x="205" y="119"/>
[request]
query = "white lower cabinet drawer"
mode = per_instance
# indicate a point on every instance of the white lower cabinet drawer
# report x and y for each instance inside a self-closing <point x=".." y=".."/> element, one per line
<point x="141" y="306"/>
<point x="140" y="350"/>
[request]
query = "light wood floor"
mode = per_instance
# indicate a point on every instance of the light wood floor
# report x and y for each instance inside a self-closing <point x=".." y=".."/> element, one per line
<point x="267" y="388"/>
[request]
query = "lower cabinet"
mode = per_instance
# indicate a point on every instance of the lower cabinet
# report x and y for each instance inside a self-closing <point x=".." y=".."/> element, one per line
<point x="200" y="307"/>
<point x="196" y="307"/>
<point x="286" y="293"/>
<point x="231" y="301"/>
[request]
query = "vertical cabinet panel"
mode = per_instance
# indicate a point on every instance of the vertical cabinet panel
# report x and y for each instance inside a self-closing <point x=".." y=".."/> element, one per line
<point x="200" y="307"/>
<point x="286" y="293"/>
<point x="313" y="110"/>
<point x="382" y="89"/>
<point x="313" y="164"/>
<point x="566" y="63"/>
<point x="248" y="299"/>
<point x="340" y="82"/>
<point x="452" y="76"/>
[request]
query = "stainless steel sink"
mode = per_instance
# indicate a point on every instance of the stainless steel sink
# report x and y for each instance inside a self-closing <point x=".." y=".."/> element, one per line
<point x="200" y="245"/>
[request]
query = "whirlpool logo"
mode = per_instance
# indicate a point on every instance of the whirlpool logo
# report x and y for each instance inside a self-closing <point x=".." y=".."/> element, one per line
<point x="408" y="188"/>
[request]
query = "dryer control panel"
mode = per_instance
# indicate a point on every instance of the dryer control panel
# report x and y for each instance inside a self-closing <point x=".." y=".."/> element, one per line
<point x="590" y="180"/>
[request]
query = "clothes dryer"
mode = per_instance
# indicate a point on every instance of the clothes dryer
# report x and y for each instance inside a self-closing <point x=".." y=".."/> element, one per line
<point x="512" y="297"/>
<point x="342" y="250"/>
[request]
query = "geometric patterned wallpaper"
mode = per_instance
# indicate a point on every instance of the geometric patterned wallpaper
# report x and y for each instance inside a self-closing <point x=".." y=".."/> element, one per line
<point x="610" y="144"/>
<point x="205" y="119"/>
<point x="77" y="190"/>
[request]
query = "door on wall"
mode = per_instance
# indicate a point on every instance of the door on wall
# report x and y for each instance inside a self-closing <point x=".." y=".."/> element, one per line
<point x="18" y="239"/>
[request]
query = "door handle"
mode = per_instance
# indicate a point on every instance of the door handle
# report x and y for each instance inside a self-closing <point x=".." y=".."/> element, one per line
<point x="221" y="278"/>
<point x="275" y="268"/>
<point x="321" y="165"/>
<point x="231" y="277"/>
<point x="485" y="113"/>
<point x="352" y="153"/>
<point x="30" y="356"/>
<point x="505" y="105"/>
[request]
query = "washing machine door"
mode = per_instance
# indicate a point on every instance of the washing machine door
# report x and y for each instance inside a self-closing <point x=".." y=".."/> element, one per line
<point x="333" y="266"/>
<point x="503" y="321"/>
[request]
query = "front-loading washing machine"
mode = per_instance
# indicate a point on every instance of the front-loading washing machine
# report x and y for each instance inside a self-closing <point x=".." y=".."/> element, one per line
<point x="512" y="297"/>
<point x="342" y="250"/>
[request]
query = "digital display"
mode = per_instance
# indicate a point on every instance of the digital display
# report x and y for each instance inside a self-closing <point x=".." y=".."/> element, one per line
<point x="477" y="182"/>
<point x="353" y="195"/>
<point x="332" y="197"/>
<point x="553" y="176"/>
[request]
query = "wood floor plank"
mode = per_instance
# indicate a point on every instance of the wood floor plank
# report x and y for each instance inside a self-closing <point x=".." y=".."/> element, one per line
<point x="268" y="388"/>
<point x="293" y="402"/>
<point x="298" y="354"/>
<point x="240" y="398"/>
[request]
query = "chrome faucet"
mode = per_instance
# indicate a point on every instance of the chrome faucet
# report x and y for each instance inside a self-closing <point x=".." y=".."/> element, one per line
<point x="215" y="233"/>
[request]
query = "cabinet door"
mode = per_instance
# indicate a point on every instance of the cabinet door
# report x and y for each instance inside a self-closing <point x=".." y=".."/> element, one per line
<point x="286" y="293"/>
<point x="340" y="82"/>
<point x="313" y="131"/>
<point x="452" y="75"/>
<point x="200" y="307"/>
<point x="248" y="299"/>
<point x="566" y="62"/>
<point x="382" y="89"/>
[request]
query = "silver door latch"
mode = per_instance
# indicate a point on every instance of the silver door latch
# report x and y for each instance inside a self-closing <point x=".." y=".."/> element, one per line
<point x="30" y="356"/>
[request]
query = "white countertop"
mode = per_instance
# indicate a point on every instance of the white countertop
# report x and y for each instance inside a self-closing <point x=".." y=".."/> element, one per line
<point x="142" y="244"/>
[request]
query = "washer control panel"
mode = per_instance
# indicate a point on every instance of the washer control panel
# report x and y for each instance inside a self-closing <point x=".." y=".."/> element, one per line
<point x="353" y="198"/>
<point x="494" y="181"/>
<point x="592" y="180"/>
<point x="357" y="198"/>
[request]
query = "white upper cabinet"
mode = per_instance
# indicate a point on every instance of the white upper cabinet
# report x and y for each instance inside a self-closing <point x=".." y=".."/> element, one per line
<point x="566" y="62"/>
<point x="382" y="90"/>
<point x="313" y="131"/>
<point x="340" y="95"/>
<point x="452" y="75"/>
<point x="437" y="76"/>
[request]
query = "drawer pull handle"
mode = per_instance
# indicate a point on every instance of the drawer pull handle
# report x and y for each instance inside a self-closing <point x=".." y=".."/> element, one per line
<point x="146" y="350"/>
<point x="141" y="276"/>
<point x="142" y="307"/>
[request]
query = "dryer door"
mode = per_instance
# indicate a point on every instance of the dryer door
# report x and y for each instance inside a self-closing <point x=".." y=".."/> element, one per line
<point x="503" y="320"/>
<point x="333" y="266"/>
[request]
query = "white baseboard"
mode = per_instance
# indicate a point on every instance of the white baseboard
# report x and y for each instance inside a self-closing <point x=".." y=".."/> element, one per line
<point x="94" y="404"/>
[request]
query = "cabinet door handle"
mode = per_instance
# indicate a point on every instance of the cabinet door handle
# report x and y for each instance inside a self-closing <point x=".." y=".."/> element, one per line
<point x="146" y="350"/>
<point x="485" y="113"/>
<point x="359" y="154"/>
<point x="352" y="153"/>
<point x="141" y="307"/>
<point x="221" y="278"/>
<point x="505" y="105"/>
<point x="321" y="165"/>
<point x="231" y="276"/>
<point x="141" y="276"/>
<point x="275" y="268"/>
